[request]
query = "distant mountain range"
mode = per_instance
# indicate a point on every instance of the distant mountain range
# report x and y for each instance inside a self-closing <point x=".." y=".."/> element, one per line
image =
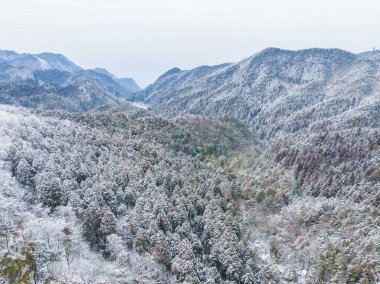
<point x="52" y="81"/>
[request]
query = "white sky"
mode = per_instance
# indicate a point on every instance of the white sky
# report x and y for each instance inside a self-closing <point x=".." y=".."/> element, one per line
<point x="144" y="38"/>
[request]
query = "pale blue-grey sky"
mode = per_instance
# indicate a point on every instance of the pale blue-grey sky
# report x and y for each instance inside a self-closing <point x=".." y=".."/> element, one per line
<point x="144" y="38"/>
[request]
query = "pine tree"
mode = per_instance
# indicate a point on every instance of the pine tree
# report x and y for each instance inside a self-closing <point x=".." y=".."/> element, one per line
<point x="107" y="223"/>
<point x="354" y="272"/>
<point x="368" y="274"/>
<point x="49" y="188"/>
<point x="24" y="173"/>
<point x="340" y="271"/>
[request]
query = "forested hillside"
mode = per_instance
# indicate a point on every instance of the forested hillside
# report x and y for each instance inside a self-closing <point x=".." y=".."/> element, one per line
<point x="139" y="191"/>
<point x="315" y="115"/>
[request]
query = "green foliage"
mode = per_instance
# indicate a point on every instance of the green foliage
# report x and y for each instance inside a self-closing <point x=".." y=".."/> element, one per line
<point x="333" y="268"/>
<point x="270" y="199"/>
<point x="19" y="269"/>
<point x="327" y="265"/>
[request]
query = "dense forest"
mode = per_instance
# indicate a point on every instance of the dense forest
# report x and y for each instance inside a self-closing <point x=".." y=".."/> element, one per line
<point x="137" y="185"/>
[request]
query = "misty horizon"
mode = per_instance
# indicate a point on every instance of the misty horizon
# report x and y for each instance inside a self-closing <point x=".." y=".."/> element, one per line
<point x="142" y="39"/>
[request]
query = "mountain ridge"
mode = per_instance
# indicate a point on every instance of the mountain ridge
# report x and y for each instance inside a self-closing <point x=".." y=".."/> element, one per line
<point x="261" y="82"/>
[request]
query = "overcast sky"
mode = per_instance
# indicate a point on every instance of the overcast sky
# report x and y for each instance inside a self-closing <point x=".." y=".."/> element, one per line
<point x="144" y="38"/>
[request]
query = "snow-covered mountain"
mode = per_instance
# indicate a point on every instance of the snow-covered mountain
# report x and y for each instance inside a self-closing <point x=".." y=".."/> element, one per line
<point x="42" y="61"/>
<point x="54" y="82"/>
<point x="274" y="90"/>
<point x="284" y="96"/>
<point x="298" y="104"/>
<point x="261" y="171"/>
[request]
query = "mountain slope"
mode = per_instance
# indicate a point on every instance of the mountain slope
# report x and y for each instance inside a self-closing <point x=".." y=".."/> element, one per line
<point x="370" y="55"/>
<point x="53" y="235"/>
<point x="83" y="95"/>
<point x="135" y="185"/>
